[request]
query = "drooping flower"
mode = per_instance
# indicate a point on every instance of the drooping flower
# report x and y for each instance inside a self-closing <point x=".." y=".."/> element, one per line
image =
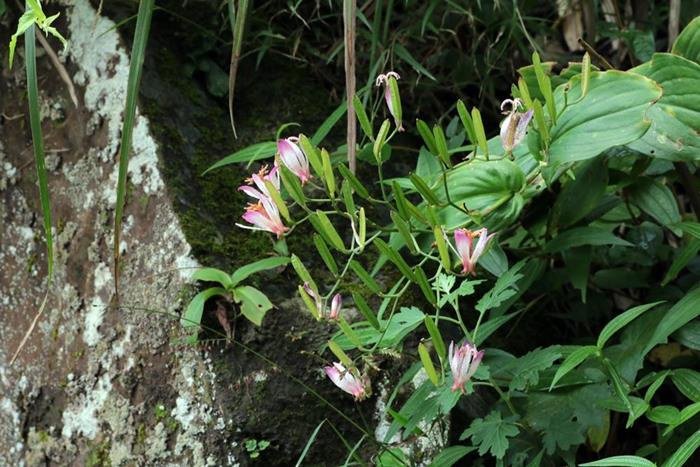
<point x="464" y="240"/>
<point x="385" y="79"/>
<point x="464" y="360"/>
<point x="514" y="126"/>
<point x="336" y="305"/>
<point x="259" y="179"/>
<point x="264" y="215"/>
<point x="347" y="380"/>
<point x="294" y="158"/>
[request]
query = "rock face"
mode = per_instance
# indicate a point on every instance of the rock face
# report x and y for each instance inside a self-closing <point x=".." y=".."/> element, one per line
<point x="101" y="383"/>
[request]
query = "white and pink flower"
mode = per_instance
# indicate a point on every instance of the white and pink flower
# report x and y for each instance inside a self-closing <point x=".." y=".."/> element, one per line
<point x="336" y="306"/>
<point x="265" y="216"/>
<point x="464" y="361"/>
<point x="383" y="79"/>
<point x="348" y="380"/>
<point x="259" y="179"/>
<point x="336" y="303"/>
<point x="294" y="158"/>
<point x="468" y="253"/>
<point x="514" y="127"/>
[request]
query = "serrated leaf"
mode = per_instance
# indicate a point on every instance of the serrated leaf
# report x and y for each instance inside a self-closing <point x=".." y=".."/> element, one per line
<point x="491" y="433"/>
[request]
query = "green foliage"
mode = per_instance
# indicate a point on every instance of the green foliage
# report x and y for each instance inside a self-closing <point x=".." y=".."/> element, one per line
<point x="491" y="433"/>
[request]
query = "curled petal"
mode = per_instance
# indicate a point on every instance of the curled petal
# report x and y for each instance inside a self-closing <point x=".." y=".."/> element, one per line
<point x="346" y="380"/>
<point x="463" y="242"/>
<point x="294" y="158"/>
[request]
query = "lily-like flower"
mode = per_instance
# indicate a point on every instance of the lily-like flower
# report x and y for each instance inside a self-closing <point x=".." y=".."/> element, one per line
<point x="347" y="380"/>
<point x="514" y="126"/>
<point x="294" y="158"/>
<point x="336" y="305"/>
<point x="264" y="215"/>
<point x="464" y="360"/>
<point x="259" y="179"/>
<point x="464" y="240"/>
<point x="384" y="79"/>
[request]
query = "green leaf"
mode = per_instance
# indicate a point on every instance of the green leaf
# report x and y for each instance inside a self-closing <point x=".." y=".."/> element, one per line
<point x="491" y="326"/>
<point x="674" y="118"/>
<point x="428" y="138"/>
<point x="683" y="453"/>
<point x="328" y="124"/>
<point x="398" y="326"/>
<point x="381" y="140"/>
<point x="691" y="228"/>
<point x="581" y="195"/>
<point x="38" y="142"/>
<point x="574" y="359"/>
<point x="254" y="304"/>
<point x="292" y="184"/>
<point x="193" y="313"/>
<point x="621" y="321"/>
<point x="404" y="55"/>
<point x="620" y="461"/>
<point x="621" y="389"/>
<point x="665" y="414"/>
<point x="325" y="254"/>
<point x="303" y="273"/>
<point x="682" y="257"/>
<point x="309" y="149"/>
<point x="323" y="225"/>
<point x="353" y="181"/>
<point x="365" y="277"/>
<point x="583" y="236"/>
<point x="687" y="309"/>
<point x="435" y="337"/>
<point x="491" y="433"/>
<point x="246" y="271"/>
<point x="362" y="117"/>
<point x="428" y="364"/>
<point x="526" y="369"/>
<point x="422" y="281"/>
<point x="657" y="200"/>
<point x="688" y="41"/>
<point x="611" y="114"/>
<point x="396" y="258"/>
<point x="366" y="311"/>
<point x="449" y="456"/>
<point x="405" y="232"/>
<point x="504" y="288"/>
<point x="212" y="275"/>
<point x="424" y="190"/>
<point x="688" y="383"/>
<point x="250" y="153"/>
<point x="310" y="442"/>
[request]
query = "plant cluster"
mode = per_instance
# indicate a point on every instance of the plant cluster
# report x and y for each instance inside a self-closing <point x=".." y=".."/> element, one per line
<point x="565" y="219"/>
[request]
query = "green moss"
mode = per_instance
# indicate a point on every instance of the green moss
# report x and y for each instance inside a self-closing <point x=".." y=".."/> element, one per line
<point x="98" y="456"/>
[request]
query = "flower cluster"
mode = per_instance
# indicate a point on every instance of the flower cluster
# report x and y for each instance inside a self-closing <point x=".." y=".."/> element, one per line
<point x="264" y="214"/>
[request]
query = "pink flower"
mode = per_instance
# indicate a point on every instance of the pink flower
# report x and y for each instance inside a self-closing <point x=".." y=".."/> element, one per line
<point x="464" y="240"/>
<point x="336" y="305"/>
<point x="384" y="79"/>
<point x="463" y="363"/>
<point x="514" y="126"/>
<point x="264" y="215"/>
<point x="347" y="380"/>
<point x="294" y="158"/>
<point x="259" y="180"/>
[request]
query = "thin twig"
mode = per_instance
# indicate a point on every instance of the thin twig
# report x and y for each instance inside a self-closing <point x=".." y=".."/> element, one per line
<point x="674" y="21"/>
<point x="31" y="328"/>
<point x="593" y="53"/>
<point x="349" y="9"/>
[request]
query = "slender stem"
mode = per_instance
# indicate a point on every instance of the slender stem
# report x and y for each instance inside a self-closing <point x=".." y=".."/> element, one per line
<point x="349" y="15"/>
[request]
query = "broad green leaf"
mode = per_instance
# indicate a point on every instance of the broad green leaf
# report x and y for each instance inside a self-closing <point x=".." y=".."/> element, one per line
<point x="688" y="41"/>
<point x="449" y="456"/>
<point x="491" y="433"/>
<point x="621" y="321"/>
<point x="193" y="313"/>
<point x="620" y="461"/>
<point x="212" y="275"/>
<point x="393" y="331"/>
<point x="246" y="271"/>
<point x="574" y="359"/>
<point x="488" y="189"/>
<point x="254" y="304"/>
<point x="611" y="114"/>
<point x="583" y="236"/>
<point x="689" y="335"/>
<point x="665" y="414"/>
<point x="250" y="153"/>
<point x="657" y="200"/>
<point x="688" y="383"/>
<point x="581" y="195"/>
<point x="676" y="116"/>
<point x="691" y="228"/>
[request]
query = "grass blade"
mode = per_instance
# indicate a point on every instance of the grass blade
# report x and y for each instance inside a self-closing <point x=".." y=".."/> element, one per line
<point x="311" y="440"/>
<point x="37" y="141"/>
<point x="237" y="19"/>
<point x="143" y="25"/>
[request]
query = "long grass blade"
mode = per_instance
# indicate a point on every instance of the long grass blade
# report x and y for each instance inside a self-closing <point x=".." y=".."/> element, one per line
<point x="37" y="141"/>
<point x="143" y="25"/>
<point x="311" y="440"/>
<point x="237" y="20"/>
